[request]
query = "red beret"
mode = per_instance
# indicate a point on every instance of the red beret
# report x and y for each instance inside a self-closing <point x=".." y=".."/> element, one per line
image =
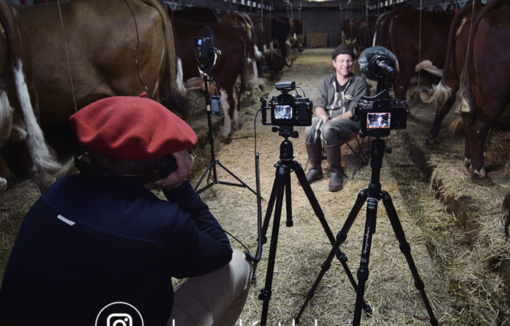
<point x="131" y="128"/>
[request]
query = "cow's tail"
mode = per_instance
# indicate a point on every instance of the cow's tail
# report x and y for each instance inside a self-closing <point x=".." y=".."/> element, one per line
<point x="441" y="93"/>
<point x="455" y="125"/>
<point x="45" y="169"/>
<point x="173" y="94"/>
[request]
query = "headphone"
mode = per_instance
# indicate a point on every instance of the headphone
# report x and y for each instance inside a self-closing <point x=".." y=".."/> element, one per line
<point x="166" y="165"/>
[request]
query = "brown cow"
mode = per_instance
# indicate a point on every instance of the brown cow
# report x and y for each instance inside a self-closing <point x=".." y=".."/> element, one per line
<point x="299" y="34"/>
<point x="484" y="92"/>
<point x="19" y="105"/>
<point x="365" y="31"/>
<point x="101" y="37"/>
<point x="281" y="29"/>
<point x="229" y="64"/>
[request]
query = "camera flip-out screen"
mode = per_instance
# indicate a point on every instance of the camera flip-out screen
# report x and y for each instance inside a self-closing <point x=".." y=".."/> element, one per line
<point x="283" y="112"/>
<point x="378" y="120"/>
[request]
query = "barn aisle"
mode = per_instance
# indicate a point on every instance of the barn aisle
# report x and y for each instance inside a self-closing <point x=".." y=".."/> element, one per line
<point x="459" y="285"/>
<point x="458" y="293"/>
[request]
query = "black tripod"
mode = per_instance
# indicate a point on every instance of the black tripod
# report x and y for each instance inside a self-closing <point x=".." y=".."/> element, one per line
<point x="211" y="168"/>
<point x="372" y="195"/>
<point x="282" y="183"/>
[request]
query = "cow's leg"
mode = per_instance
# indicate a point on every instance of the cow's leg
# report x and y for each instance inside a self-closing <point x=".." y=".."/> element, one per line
<point x="225" y="99"/>
<point x="5" y="174"/>
<point x="478" y="131"/>
<point x="402" y="80"/>
<point x="236" y="108"/>
<point x="467" y="142"/>
<point x="441" y="112"/>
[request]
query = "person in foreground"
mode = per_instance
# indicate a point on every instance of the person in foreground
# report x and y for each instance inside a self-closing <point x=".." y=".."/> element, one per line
<point x="334" y="104"/>
<point x="87" y="243"/>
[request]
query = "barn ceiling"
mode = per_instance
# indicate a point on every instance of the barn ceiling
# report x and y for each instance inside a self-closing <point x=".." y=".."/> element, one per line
<point x="293" y="7"/>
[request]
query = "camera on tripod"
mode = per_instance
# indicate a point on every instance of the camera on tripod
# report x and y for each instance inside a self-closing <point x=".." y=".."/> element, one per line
<point x="379" y="114"/>
<point x="205" y="55"/>
<point x="287" y="109"/>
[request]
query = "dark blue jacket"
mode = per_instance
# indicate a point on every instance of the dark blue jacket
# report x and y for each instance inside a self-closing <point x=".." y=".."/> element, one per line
<point x="85" y="244"/>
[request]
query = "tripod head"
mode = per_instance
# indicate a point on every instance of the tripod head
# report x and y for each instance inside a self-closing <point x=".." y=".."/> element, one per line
<point x="286" y="148"/>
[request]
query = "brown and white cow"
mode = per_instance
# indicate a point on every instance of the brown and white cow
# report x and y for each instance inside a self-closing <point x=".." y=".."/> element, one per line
<point x="19" y="106"/>
<point x="365" y="30"/>
<point x="263" y="38"/>
<point x="229" y="64"/>
<point x="101" y="38"/>
<point x="404" y="41"/>
<point x="253" y="55"/>
<point x="445" y="92"/>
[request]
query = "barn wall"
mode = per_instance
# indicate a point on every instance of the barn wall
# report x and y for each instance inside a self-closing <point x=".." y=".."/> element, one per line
<point x="327" y="20"/>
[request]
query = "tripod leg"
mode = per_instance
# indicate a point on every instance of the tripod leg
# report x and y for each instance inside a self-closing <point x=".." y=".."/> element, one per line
<point x="312" y="199"/>
<point x="241" y="183"/>
<point x="270" y="206"/>
<point x="406" y="250"/>
<point x="203" y="175"/>
<point x="342" y="236"/>
<point x="288" y="198"/>
<point x="265" y="293"/>
<point x="365" y="257"/>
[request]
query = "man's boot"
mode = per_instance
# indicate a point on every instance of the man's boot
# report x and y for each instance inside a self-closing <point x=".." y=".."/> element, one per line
<point x="314" y="151"/>
<point x="336" y="179"/>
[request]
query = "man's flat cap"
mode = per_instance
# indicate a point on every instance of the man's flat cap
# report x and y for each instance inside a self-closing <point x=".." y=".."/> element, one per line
<point x="343" y="49"/>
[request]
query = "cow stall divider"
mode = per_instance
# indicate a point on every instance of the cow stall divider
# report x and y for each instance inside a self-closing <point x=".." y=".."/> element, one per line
<point x="205" y="55"/>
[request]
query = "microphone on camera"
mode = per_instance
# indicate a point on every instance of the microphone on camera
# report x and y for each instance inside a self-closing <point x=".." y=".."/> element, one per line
<point x="378" y="63"/>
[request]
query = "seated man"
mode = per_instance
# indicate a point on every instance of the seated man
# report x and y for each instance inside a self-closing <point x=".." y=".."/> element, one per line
<point x="92" y="239"/>
<point x="336" y="98"/>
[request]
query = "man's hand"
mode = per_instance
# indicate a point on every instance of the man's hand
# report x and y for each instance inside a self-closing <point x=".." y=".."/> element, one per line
<point x="321" y="113"/>
<point x="184" y="164"/>
<point x="345" y="115"/>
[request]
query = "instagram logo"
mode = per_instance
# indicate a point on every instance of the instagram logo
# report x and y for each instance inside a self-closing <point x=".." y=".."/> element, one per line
<point x="119" y="314"/>
<point x="119" y="320"/>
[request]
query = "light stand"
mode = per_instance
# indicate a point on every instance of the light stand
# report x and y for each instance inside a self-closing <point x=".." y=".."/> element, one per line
<point x="205" y="54"/>
<point x="373" y="194"/>
<point x="282" y="184"/>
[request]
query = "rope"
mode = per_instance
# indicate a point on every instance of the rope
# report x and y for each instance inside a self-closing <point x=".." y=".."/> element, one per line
<point x="67" y="56"/>
<point x="419" y="46"/>
<point x="466" y="64"/>
<point x="134" y="49"/>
